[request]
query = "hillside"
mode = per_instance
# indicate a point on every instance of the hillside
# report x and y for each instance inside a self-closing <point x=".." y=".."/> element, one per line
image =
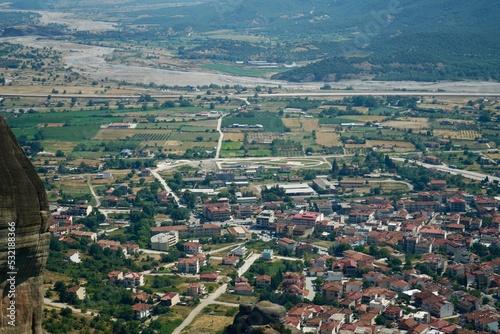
<point x="368" y="39"/>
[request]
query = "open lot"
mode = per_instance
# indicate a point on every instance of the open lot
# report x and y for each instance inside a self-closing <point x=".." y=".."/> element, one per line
<point x="328" y="139"/>
<point x="213" y="319"/>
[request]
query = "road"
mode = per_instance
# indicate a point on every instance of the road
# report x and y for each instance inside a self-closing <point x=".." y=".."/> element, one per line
<point x="465" y="173"/>
<point x="162" y="167"/>
<point x="197" y="310"/>
<point x="221" y="136"/>
<point x="211" y="299"/>
<point x="97" y="200"/>
<point x="310" y="288"/>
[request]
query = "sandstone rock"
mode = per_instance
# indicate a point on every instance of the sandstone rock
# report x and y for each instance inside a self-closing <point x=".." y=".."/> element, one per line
<point x="23" y="201"/>
<point x="256" y="318"/>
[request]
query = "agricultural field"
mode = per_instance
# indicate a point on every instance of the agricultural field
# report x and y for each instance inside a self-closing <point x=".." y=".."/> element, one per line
<point x="457" y="134"/>
<point x="269" y="121"/>
<point x="398" y="146"/>
<point x="292" y="123"/>
<point x="405" y="123"/>
<point x="234" y="136"/>
<point x="328" y="139"/>
<point x="263" y="137"/>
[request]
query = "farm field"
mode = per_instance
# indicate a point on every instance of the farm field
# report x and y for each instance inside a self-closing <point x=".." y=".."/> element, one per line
<point x="234" y="136"/>
<point x="409" y="123"/>
<point x="328" y="139"/>
<point x="379" y="143"/>
<point x="457" y="134"/>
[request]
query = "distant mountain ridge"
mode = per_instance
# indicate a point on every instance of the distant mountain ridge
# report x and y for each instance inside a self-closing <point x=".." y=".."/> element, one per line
<point x="367" y="39"/>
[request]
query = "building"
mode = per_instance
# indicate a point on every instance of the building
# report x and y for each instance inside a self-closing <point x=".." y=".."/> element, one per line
<point x="196" y="289"/>
<point x="240" y="232"/>
<point x="217" y="211"/>
<point x="263" y="280"/>
<point x="209" y="277"/>
<point x="239" y="251"/>
<point x="265" y="219"/>
<point x="308" y="218"/>
<point x="170" y="299"/>
<point x="164" y="241"/>
<point x="191" y="247"/>
<point x="133" y="280"/>
<point x="78" y="291"/>
<point x="189" y="265"/>
<point x="73" y="256"/>
<point x="141" y="310"/>
<point x="243" y="289"/>
<point x="267" y="254"/>
<point x="324" y="184"/>
<point x="432" y="159"/>
<point x="287" y="243"/>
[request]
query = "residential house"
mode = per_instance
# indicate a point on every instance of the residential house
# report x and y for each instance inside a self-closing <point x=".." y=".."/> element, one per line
<point x="132" y="279"/>
<point x="78" y="291"/>
<point x="170" y="299"/>
<point x="141" y="310"/>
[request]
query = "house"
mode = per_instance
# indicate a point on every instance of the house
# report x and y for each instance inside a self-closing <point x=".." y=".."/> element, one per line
<point x="170" y="299"/>
<point x="73" y="256"/>
<point x="191" y="247"/>
<point x="78" y="291"/>
<point x="432" y="159"/>
<point x="132" y="279"/>
<point x="230" y="260"/>
<point x="353" y="286"/>
<point x="115" y="276"/>
<point x="243" y="289"/>
<point x="141" y="296"/>
<point x="285" y="169"/>
<point x="287" y="243"/>
<point x="332" y="291"/>
<point x="141" y="310"/>
<point x="83" y="234"/>
<point x="196" y="289"/>
<point x="481" y="320"/>
<point x="437" y="184"/>
<point x="267" y="254"/>
<point x="239" y="251"/>
<point x="209" y="277"/>
<point x="263" y="280"/>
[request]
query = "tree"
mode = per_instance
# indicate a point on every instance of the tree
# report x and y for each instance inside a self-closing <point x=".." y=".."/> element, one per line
<point x="380" y="320"/>
<point x="59" y="154"/>
<point x="335" y="168"/>
<point x="190" y="199"/>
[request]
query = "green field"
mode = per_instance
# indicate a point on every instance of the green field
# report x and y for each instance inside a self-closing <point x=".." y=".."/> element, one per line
<point x="269" y="121"/>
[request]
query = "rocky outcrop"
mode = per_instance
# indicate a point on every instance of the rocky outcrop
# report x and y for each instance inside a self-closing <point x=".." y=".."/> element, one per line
<point x="263" y="317"/>
<point x="24" y="239"/>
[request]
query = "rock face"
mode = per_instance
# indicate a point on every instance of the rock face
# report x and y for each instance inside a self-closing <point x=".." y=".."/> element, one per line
<point x="24" y="238"/>
<point x="262" y="317"/>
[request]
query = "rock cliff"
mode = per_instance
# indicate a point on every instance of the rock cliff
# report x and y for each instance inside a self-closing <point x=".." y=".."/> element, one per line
<point x="24" y="239"/>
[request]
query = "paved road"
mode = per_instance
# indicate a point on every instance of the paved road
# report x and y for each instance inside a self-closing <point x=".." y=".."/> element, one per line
<point x="310" y="287"/>
<point x="211" y="299"/>
<point x="197" y="310"/>
<point x="465" y="173"/>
